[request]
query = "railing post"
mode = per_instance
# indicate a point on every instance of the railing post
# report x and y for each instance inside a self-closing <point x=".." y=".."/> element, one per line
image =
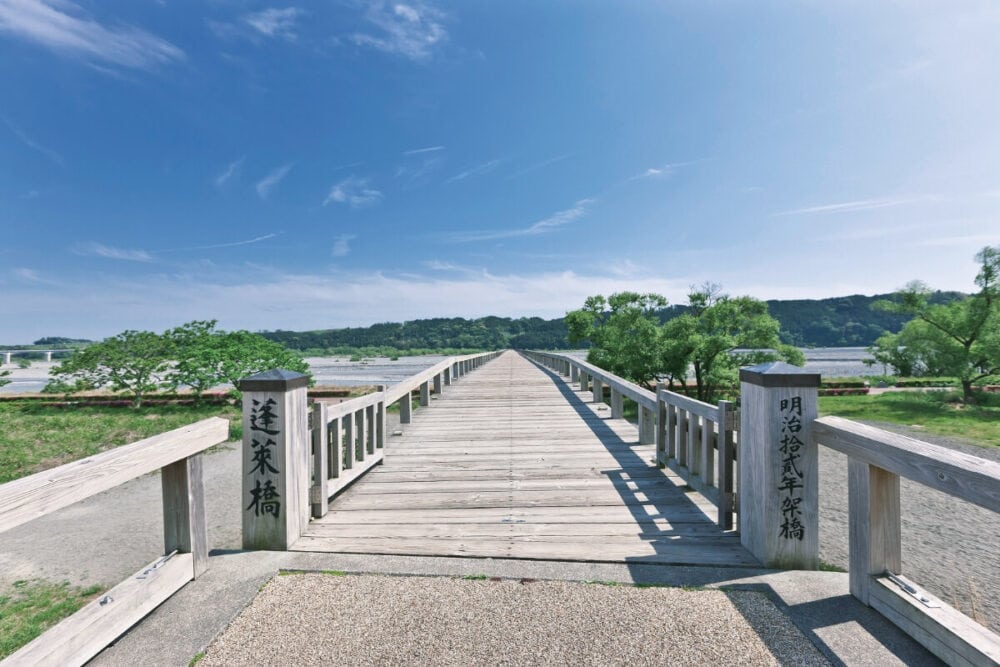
<point x="380" y="420"/>
<point x="584" y="381"/>
<point x="727" y="499"/>
<point x="574" y="373"/>
<point x="184" y="526"/>
<point x="447" y="376"/>
<point x="598" y="390"/>
<point x="319" y="496"/>
<point x="276" y="474"/>
<point x="405" y="407"/>
<point x="617" y="405"/>
<point x="779" y="468"/>
<point x="425" y="394"/>
<point x="437" y="384"/>
<point x="647" y="425"/>
<point x="661" y="428"/>
<point x="874" y="525"/>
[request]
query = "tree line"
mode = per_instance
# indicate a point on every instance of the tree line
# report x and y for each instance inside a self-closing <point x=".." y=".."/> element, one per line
<point x="195" y="355"/>
<point x="717" y="334"/>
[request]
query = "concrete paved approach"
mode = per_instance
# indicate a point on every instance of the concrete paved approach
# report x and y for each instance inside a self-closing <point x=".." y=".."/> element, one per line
<point x="826" y="622"/>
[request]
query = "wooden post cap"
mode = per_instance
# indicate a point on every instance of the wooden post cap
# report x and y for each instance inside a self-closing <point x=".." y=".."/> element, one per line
<point x="779" y="374"/>
<point x="274" y="380"/>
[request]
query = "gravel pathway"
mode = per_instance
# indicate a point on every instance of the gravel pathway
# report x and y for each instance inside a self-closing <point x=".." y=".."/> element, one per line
<point x="950" y="547"/>
<point x="391" y="620"/>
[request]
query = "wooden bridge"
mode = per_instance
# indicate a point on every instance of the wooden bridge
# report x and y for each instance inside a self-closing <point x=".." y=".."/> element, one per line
<point x="528" y="455"/>
<point x="512" y="463"/>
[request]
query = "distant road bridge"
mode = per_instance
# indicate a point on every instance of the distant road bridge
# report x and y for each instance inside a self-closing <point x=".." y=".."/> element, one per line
<point x="9" y="354"/>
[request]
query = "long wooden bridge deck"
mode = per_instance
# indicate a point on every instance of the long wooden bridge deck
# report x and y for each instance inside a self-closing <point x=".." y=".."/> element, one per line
<point x="511" y="462"/>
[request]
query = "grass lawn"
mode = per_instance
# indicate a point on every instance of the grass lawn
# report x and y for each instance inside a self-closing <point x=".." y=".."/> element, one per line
<point x="28" y="608"/>
<point x="34" y="437"/>
<point x="937" y="412"/>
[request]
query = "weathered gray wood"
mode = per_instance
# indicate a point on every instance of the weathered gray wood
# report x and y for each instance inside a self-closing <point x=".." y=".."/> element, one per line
<point x="83" y="635"/>
<point x="873" y="525"/>
<point x="318" y="493"/>
<point x="335" y="444"/>
<point x="647" y="425"/>
<point x="276" y="470"/>
<point x="405" y="409"/>
<point x="380" y="425"/>
<point x="617" y="404"/>
<point x="683" y="428"/>
<point x="671" y="431"/>
<point x="184" y="526"/>
<point x="962" y="475"/>
<point x="511" y="464"/>
<point x="779" y="466"/>
<point x="727" y="499"/>
<point x="425" y="394"/>
<point x="944" y="631"/>
<point x="360" y="436"/>
<point x="693" y="443"/>
<point x="37" y="495"/>
<point x="371" y="435"/>
<point x="437" y="383"/>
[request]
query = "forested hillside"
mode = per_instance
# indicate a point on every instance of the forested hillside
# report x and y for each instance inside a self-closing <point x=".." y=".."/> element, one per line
<point x="843" y="321"/>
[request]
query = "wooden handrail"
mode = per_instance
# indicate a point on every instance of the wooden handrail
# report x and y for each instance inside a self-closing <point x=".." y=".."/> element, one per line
<point x="348" y="438"/>
<point x="876" y="461"/>
<point x="177" y="454"/>
<point x="44" y="492"/>
<point x="688" y="432"/>
<point x="961" y="475"/>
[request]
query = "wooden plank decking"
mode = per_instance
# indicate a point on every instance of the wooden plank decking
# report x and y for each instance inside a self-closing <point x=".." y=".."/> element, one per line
<point x="510" y="462"/>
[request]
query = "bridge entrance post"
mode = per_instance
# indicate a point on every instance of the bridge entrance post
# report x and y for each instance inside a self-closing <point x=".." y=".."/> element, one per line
<point x="779" y="465"/>
<point x="276" y="453"/>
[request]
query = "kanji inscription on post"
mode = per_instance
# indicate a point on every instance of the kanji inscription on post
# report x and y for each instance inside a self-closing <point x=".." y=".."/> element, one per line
<point x="791" y="481"/>
<point x="264" y="497"/>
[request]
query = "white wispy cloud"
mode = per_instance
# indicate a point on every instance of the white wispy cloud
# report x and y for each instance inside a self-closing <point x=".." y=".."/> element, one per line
<point x="30" y="276"/>
<point x="851" y="206"/>
<point x="342" y="245"/>
<point x="95" y="249"/>
<point x="233" y="169"/>
<point x="411" y="30"/>
<point x="66" y="28"/>
<point x="664" y="170"/>
<point x="275" y="22"/>
<point x="478" y="170"/>
<point x="537" y="166"/>
<point x="353" y="191"/>
<point x="266" y="184"/>
<point x="429" y="149"/>
<point x="32" y="144"/>
<point x="544" y="226"/>
<point x="230" y="244"/>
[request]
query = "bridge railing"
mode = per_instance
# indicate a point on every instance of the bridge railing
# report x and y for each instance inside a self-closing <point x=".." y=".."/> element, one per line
<point x="876" y="461"/>
<point x="348" y="438"/>
<point x="292" y="468"/>
<point x="177" y="455"/>
<point x="696" y="440"/>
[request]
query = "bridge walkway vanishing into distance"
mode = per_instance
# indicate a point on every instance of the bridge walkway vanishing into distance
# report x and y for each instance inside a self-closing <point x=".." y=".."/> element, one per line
<point x="513" y="463"/>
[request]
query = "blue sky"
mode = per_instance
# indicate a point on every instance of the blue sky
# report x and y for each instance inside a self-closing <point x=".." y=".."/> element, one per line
<point x="328" y="164"/>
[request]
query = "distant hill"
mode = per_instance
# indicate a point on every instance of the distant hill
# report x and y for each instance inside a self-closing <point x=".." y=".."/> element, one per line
<point x="846" y="321"/>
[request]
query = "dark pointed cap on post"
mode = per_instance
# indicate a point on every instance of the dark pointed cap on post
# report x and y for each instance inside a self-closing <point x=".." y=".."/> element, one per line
<point x="275" y="380"/>
<point x="779" y="374"/>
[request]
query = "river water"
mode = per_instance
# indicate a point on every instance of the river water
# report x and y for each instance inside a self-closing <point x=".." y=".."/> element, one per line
<point x="341" y="371"/>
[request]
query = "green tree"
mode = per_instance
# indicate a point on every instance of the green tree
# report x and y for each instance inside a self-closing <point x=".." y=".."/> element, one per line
<point x="3" y="378"/>
<point x="134" y="362"/>
<point x="714" y="337"/>
<point x="719" y="334"/>
<point x="206" y="357"/>
<point x="625" y="334"/>
<point x="960" y="338"/>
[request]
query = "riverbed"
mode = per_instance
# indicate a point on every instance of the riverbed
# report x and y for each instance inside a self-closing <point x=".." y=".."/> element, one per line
<point x="342" y="372"/>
